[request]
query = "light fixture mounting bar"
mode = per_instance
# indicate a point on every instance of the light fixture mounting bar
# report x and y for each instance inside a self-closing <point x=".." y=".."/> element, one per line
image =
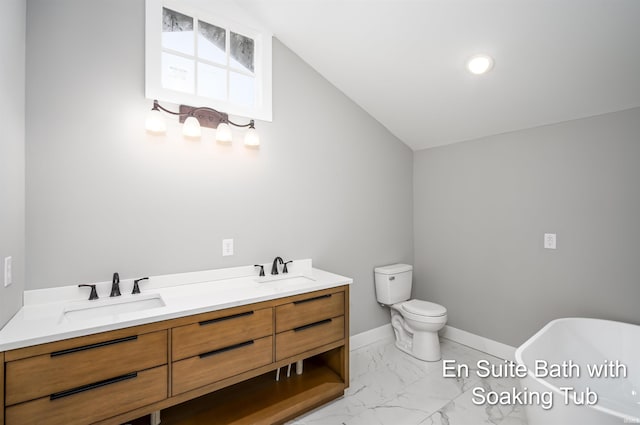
<point x="207" y="117"/>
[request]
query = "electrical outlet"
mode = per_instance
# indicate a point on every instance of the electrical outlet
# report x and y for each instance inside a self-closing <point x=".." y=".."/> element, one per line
<point x="8" y="273"/>
<point x="550" y="240"/>
<point x="227" y="247"/>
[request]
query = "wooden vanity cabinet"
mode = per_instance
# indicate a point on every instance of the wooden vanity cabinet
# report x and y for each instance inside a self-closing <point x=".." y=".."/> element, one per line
<point x="199" y="369"/>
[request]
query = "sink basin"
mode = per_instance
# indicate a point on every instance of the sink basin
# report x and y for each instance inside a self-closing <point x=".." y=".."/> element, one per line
<point x="277" y="277"/>
<point x="284" y="282"/>
<point x="111" y="307"/>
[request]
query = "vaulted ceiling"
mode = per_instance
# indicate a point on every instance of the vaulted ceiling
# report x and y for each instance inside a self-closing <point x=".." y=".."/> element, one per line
<point x="403" y="61"/>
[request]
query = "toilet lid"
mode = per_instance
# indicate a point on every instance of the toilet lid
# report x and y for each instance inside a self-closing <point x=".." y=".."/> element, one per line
<point x="424" y="308"/>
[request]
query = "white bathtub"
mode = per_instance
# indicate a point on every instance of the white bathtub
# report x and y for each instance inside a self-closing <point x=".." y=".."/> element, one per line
<point x="583" y="342"/>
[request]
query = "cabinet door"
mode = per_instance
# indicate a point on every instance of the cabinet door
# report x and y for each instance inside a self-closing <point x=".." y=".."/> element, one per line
<point x="219" y="364"/>
<point x="218" y="332"/>
<point x="309" y="310"/>
<point x="92" y="403"/>
<point x="308" y="337"/>
<point x="42" y="375"/>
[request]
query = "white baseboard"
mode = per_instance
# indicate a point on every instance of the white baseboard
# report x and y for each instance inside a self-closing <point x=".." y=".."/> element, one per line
<point x="369" y="337"/>
<point x="477" y="342"/>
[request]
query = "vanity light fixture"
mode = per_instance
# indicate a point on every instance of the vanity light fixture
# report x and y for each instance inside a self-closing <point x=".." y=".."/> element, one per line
<point x="195" y="117"/>
<point x="480" y="64"/>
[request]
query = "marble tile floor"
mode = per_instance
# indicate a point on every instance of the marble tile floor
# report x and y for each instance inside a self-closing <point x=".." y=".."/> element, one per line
<point x="389" y="387"/>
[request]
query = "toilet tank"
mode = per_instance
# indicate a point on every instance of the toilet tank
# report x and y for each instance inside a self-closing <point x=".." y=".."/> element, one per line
<point x="393" y="283"/>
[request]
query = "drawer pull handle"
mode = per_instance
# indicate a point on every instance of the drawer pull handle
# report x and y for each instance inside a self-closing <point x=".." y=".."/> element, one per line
<point x="311" y="325"/>
<point x="221" y="319"/>
<point x="313" y="299"/>
<point x="222" y="350"/>
<point x="92" y="346"/>
<point x="93" y="386"/>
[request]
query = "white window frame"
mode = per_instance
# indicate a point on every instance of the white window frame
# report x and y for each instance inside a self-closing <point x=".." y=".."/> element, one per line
<point x="153" y="61"/>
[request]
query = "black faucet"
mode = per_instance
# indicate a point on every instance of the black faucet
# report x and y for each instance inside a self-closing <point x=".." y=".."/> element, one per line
<point x="94" y="293"/>
<point x="284" y="269"/>
<point x="274" y="268"/>
<point x="136" y="287"/>
<point x="261" y="269"/>
<point x="115" y="285"/>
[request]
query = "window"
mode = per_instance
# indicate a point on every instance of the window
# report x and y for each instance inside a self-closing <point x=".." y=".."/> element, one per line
<point x="197" y="58"/>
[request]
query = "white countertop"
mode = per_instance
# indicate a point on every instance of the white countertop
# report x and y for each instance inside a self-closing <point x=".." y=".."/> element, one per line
<point x="43" y="318"/>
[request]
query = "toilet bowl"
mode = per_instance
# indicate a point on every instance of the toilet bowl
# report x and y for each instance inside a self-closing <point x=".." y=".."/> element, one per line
<point x="417" y="332"/>
<point x="415" y="322"/>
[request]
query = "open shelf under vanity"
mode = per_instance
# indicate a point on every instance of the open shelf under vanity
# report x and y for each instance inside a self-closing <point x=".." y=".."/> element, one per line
<point x="262" y="400"/>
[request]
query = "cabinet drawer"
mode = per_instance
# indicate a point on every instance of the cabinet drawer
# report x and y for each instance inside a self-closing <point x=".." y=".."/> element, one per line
<point x="88" y="405"/>
<point x="309" y="310"/>
<point x="308" y="337"/>
<point x="223" y="363"/>
<point x="39" y="376"/>
<point x="209" y="335"/>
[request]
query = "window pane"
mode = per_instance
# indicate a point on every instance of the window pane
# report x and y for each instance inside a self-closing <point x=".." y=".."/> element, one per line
<point x="212" y="81"/>
<point x="212" y="43"/>
<point x="177" y="31"/>
<point x="177" y="73"/>
<point x="242" y="49"/>
<point x="242" y="89"/>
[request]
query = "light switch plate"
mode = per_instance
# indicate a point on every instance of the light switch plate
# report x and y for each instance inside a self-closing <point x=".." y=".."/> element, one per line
<point x="8" y="272"/>
<point x="550" y="240"/>
<point x="227" y="247"/>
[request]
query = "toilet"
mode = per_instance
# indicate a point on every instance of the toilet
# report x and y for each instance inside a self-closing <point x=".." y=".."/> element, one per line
<point x="415" y="323"/>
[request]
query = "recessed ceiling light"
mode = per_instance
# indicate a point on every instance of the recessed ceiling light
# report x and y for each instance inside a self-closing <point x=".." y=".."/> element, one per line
<point x="479" y="64"/>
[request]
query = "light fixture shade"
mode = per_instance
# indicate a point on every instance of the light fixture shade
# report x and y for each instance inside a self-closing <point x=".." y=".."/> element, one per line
<point x="191" y="127"/>
<point x="251" y="138"/>
<point x="223" y="133"/>
<point x="479" y="64"/>
<point x="155" y="122"/>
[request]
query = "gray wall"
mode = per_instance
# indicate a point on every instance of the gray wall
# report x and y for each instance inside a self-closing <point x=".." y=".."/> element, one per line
<point x="12" y="141"/>
<point x="482" y="207"/>
<point x="328" y="182"/>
